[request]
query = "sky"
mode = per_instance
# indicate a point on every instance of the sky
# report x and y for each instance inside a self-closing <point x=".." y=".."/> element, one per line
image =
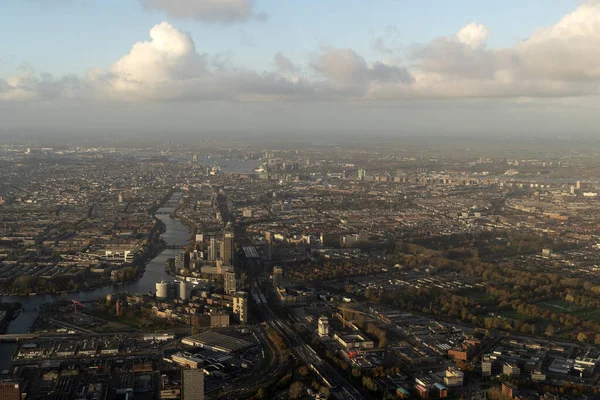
<point x="244" y="67"/>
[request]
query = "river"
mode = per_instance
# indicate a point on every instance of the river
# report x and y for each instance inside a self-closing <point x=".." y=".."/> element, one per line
<point x="231" y="164"/>
<point x="176" y="233"/>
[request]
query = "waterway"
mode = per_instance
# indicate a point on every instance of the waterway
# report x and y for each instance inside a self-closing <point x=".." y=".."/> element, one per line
<point x="176" y="233"/>
<point x="231" y="164"/>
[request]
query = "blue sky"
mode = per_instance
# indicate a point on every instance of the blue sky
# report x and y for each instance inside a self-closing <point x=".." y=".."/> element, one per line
<point x="71" y="36"/>
<point x="446" y="66"/>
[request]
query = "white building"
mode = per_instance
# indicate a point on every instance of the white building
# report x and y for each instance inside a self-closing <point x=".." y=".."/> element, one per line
<point x="323" y="326"/>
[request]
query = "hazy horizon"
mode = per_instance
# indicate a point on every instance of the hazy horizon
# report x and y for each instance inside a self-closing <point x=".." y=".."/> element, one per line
<point x="245" y="68"/>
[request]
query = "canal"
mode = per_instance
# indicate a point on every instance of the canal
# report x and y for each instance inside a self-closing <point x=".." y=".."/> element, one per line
<point x="176" y="233"/>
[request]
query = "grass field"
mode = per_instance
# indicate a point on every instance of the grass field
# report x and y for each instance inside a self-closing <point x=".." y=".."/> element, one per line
<point x="558" y="306"/>
<point x="481" y="297"/>
<point x="590" y="315"/>
<point x="115" y="321"/>
<point x="514" y="314"/>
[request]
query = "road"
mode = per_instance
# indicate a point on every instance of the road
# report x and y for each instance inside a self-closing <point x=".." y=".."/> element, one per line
<point x="339" y="387"/>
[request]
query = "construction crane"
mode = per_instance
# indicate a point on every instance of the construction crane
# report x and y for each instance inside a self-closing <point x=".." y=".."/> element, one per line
<point x="75" y="304"/>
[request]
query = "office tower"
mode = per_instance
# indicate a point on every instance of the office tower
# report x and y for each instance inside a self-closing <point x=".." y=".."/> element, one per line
<point x="227" y="248"/>
<point x="277" y="277"/>
<point x="240" y="306"/>
<point x="192" y="384"/>
<point x="214" y="251"/>
<point x="323" y="326"/>
<point x="361" y="174"/>
<point x="179" y="261"/>
<point x="268" y="245"/>
<point x="230" y="282"/>
<point x="9" y="391"/>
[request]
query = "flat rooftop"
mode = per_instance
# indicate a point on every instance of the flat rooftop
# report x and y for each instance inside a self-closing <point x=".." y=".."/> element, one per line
<point x="218" y="341"/>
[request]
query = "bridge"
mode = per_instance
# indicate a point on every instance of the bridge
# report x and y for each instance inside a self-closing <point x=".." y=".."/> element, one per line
<point x="15" y="337"/>
<point x="175" y="246"/>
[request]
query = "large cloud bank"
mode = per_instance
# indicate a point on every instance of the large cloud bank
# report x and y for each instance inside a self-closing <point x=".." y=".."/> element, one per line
<point x="558" y="61"/>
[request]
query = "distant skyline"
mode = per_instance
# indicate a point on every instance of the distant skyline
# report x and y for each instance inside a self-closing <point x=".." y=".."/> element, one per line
<point x="243" y="67"/>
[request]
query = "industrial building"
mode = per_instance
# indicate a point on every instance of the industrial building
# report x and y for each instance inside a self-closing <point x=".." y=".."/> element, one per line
<point x="217" y="342"/>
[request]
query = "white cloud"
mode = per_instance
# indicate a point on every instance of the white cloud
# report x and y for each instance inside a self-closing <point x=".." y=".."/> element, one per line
<point x="168" y="67"/>
<point x="206" y="10"/>
<point x="170" y="56"/>
<point x="473" y="35"/>
<point x="569" y="50"/>
<point x="559" y="61"/>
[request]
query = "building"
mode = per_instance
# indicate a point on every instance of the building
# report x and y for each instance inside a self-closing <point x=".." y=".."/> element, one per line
<point x="331" y="239"/>
<point x="10" y="391"/>
<point x="323" y="326"/>
<point x="240" y="306"/>
<point x="180" y="260"/>
<point x="187" y="360"/>
<point x="486" y="366"/>
<point x="509" y="389"/>
<point x="217" y="342"/>
<point x="183" y="291"/>
<point x="230" y="282"/>
<point x="452" y="377"/>
<point x="362" y="174"/>
<point x="162" y="290"/>
<point x="268" y="245"/>
<point x="214" y="250"/>
<point x="192" y="384"/>
<point x="354" y="341"/>
<point x="227" y="249"/>
<point x="277" y="277"/>
<point x="511" y="369"/>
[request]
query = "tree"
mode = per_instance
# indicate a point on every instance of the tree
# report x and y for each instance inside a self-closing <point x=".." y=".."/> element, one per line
<point x="550" y="331"/>
<point x="296" y="390"/>
<point x="260" y="394"/>
<point x="582" y="337"/>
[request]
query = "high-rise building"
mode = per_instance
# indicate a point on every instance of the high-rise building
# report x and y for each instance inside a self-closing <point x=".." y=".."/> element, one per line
<point x="10" y="391"/>
<point x="277" y="277"/>
<point x="180" y="260"/>
<point x="230" y="282"/>
<point x="240" y="306"/>
<point x="214" y="250"/>
<point x="192" y="384"/>
<point x="323" y="326"/>
<point x="268" y="245"/>
<point x="227" y="248"/>
<point x="361" y="174"/>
